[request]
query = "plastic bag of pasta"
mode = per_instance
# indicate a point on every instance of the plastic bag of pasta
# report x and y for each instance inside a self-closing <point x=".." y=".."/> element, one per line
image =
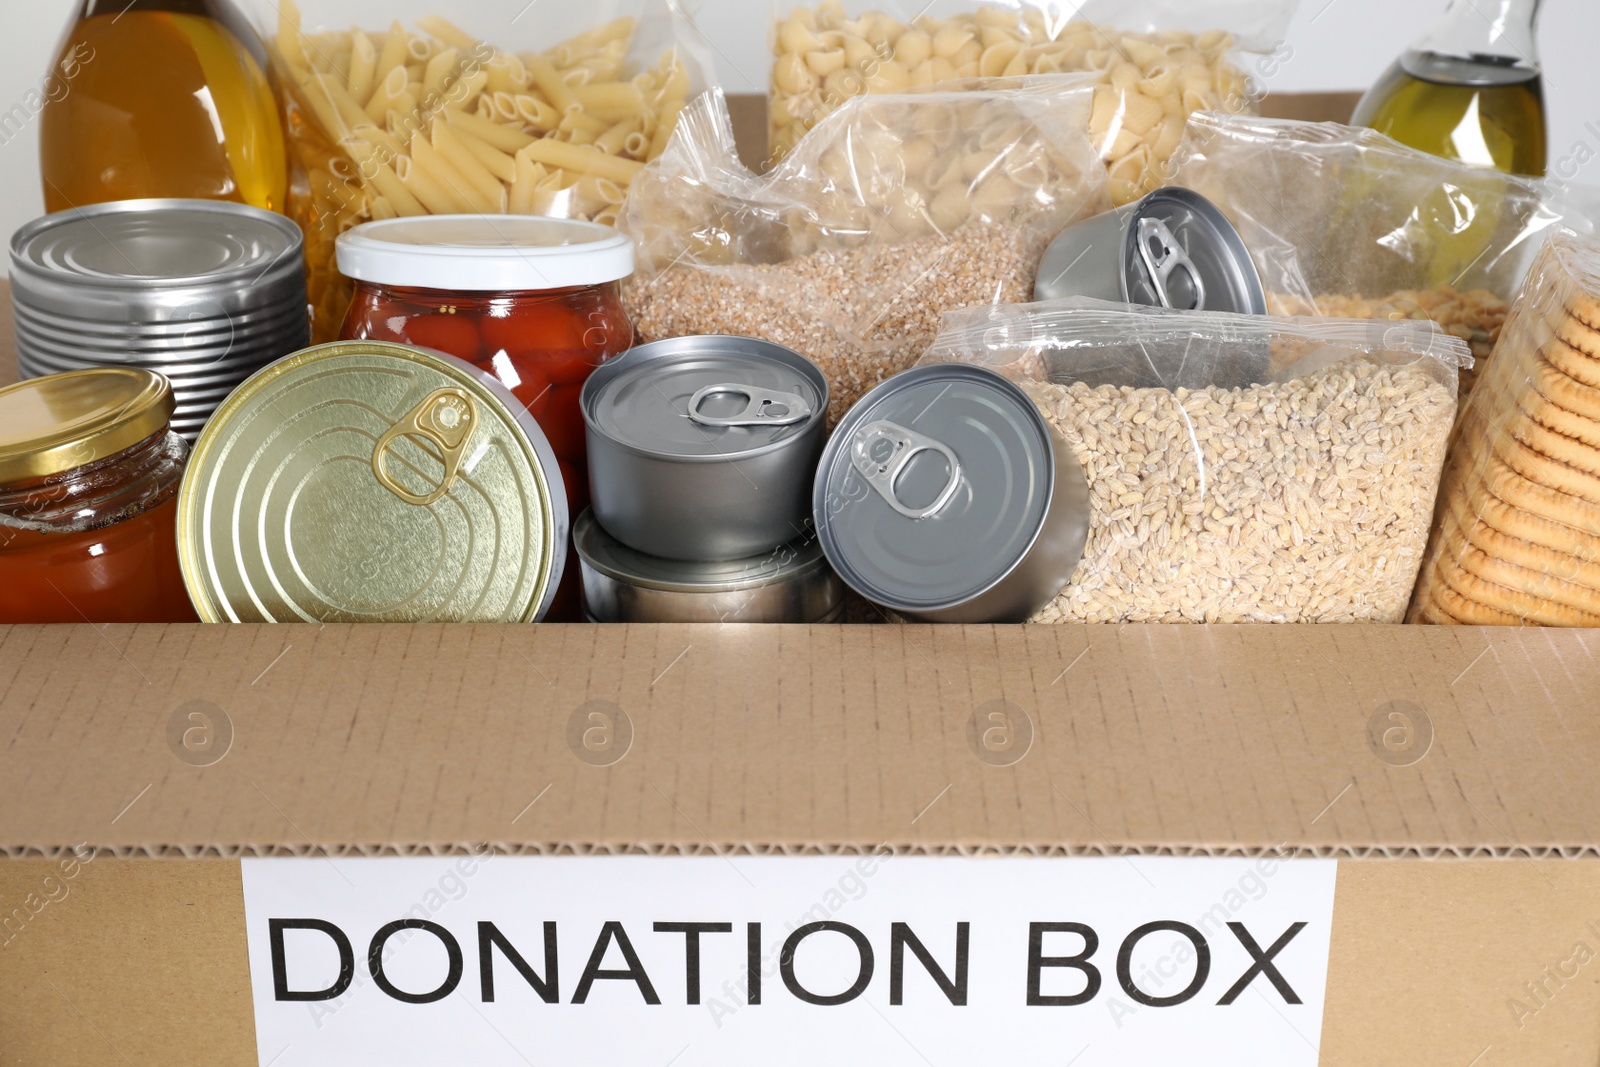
<point x="1345" y="221"/>
<point x="892" y="210"/>
<point x="1241" y="468"/>
<point x="412" y="112"/>
<point x="1155" y="62"/>
<point x="1518" y="527"/>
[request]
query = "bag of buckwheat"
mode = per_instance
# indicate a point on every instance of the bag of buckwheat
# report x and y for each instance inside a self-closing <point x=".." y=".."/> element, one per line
<point x="1240" y="468"/>
<point x="894" y="209"/>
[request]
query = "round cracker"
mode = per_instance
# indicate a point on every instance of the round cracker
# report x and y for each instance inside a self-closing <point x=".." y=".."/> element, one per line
<point x="1538" y="467"/>
<point x="1511" y="521"/>
<point x="1456" y="518"/>
<point x="1427" y="613"/>
<point x="1557" y="446"/>
<point x="1543" y="587"/>
<point x="1581" y="515"/>
<point x="1585" y="311"/>
<point x="1534" y="607"/>
<point x="1555" y="417"/>
<point x="1467" y="611"/>
<point x="1571" y="362"/>
<point x="1557" y="387"/>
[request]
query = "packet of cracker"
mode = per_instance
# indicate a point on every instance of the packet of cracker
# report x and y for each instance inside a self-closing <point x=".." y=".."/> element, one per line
<point x="1517" y="534"/>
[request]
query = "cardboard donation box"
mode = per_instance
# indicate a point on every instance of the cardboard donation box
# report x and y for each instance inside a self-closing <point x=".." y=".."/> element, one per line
<point x="587" y="844"/>
<point x="732" y="844"/>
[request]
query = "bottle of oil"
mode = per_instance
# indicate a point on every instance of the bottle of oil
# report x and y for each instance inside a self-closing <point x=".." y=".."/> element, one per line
<point x="1469" y="90"/>
<point x="161" y="98"/>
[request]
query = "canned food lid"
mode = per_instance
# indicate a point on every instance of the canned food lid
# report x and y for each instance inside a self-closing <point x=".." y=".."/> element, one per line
<point x="365" y="481"/>
<point x="604" y="553"/>
<point x="708" y="397"/>
<point x="153" y="244"/>
<point x="64" y="421"/>
<point x="484" y="253"/>
<point x="1181" y="252"/>
<point x="934" y="487"/>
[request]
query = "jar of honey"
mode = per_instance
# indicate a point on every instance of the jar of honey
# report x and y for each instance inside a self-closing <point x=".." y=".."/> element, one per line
<point x="89" y="473"/>
<point x="533" y="301"/>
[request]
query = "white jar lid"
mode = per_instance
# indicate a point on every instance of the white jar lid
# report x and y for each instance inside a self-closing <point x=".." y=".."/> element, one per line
<point x="484" y="253"/>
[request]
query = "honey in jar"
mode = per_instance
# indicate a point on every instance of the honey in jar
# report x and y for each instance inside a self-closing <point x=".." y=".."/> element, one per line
<point x="161" y="98"/>
<point x="89" y="473"/>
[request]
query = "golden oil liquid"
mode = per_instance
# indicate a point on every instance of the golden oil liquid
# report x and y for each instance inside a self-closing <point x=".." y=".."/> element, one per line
<point x="1485" y="111"/>
<point x="162" y="103"/>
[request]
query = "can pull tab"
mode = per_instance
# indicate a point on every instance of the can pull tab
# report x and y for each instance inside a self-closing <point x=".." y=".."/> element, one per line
<point x="763" y="407"/>
<point x="445" y="418"/>
<point x="882" y="451"/>
<point x="1162" y="254"/>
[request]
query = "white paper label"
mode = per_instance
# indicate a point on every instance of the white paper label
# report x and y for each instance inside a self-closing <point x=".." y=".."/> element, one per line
<point x="884" y="960"/>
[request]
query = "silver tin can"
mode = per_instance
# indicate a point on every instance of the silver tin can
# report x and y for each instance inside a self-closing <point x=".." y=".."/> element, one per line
<point x="204" y="292"/>
<point x="702" y="448"/>
<point x="944" y="496"/>
<point x="1172" y="249"/>
<point x="789" y="584"/>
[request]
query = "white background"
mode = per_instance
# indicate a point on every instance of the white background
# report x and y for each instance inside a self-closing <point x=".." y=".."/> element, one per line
<point x="1338" y="44"/>
<point x="998" y="897"/>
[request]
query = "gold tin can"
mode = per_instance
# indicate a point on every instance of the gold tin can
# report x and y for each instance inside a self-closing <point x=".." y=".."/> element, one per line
<point x="363" y="481"/>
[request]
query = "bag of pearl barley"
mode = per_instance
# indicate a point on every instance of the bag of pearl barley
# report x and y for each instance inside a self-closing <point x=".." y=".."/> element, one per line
<point x="1154" y="62"/>
<point x="1241" y="468"/>
<point x="894" y="209"/>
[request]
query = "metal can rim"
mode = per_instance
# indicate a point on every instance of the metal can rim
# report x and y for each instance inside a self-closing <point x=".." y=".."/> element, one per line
<point x="586" y="529"/>
<point x="609" y="371"/>
<point x="21" y="265"/>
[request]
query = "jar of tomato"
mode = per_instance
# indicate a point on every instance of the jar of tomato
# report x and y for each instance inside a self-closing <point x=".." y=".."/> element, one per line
<point x="533" y="301"/>
<point x="89" y="473"/>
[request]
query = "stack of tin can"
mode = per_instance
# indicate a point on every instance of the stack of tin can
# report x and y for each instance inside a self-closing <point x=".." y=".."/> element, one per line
<point x="702" y="452"/>
<point x="204" y="292"/>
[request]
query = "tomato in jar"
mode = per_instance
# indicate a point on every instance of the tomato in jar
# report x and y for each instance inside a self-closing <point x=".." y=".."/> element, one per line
<point x="533" y="301"/>
<point x="89" y="474"/>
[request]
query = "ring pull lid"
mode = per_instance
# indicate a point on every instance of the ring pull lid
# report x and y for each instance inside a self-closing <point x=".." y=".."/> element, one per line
<point x="445" y="417"/>
<point x="881" y="452"/>
<point x="763" y="407"/>
<point x="1162" y="254"/>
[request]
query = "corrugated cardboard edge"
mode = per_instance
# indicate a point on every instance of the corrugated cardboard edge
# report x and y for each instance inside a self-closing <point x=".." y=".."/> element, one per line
<point x="1171" y="740"/>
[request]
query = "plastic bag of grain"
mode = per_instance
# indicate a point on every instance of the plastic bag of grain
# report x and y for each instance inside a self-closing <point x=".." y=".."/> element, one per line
<point x="1240" y="468"/>
<point x="893" y="210"/>
<point x="1343" y="221"/>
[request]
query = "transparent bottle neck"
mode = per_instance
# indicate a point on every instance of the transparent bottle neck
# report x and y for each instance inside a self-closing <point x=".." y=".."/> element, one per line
<point x="1493" y="32"/>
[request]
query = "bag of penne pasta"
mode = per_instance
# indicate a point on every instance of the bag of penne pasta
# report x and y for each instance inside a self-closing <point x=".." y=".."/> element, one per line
<point x="1346" y="222"/>
<point x="1156" y="61"/>
<point x="413" y="107"/>
<point x="892" y="210"/>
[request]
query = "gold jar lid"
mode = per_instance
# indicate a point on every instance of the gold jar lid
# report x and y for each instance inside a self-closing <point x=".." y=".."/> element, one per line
<point x="64" y="421"/>
<point x="362" y="481"/>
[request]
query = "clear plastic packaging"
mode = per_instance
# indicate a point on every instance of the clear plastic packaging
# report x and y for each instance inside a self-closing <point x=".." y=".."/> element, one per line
<point x="1240" y="468"/>
<point x="894" y="209"/>
<point x="553" y="111"/>
<point x="1344" y="221"/>
<point x="1518" y="528"/>
<point x="1154" y="61"/>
